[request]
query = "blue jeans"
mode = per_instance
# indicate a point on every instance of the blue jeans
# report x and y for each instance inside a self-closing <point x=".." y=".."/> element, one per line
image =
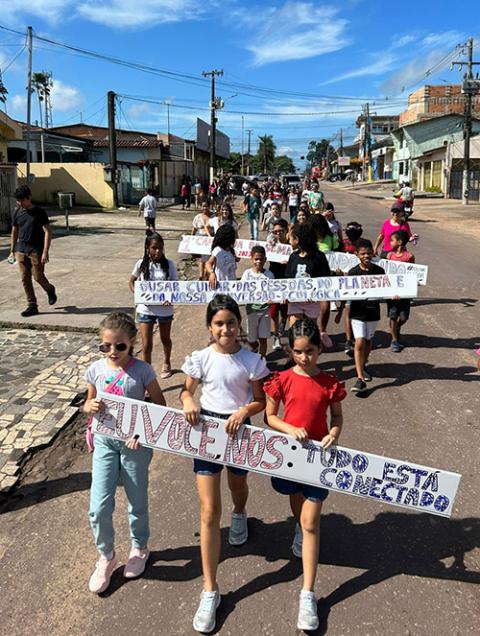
<point x="112" y="459"/>
<point x="253" y="228"/>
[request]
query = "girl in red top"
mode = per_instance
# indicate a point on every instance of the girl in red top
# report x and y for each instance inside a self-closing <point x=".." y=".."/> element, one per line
<point x="307" y="395"/>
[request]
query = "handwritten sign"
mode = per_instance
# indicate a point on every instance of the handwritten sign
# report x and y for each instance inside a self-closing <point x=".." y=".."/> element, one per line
<point x="276" y="252"/>
<point x="280" y="252"/>
<point x="381" y="479"/>
<point x="197" y="292"/>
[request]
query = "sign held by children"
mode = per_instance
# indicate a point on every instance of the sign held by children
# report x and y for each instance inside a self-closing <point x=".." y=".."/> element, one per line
<point x="280" y="252"/>
<point x="198" y="292"/>
<point x="382" y="479"/>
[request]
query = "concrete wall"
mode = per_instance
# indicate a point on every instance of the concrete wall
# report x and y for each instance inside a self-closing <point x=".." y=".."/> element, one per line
<point x="85" y="179"/>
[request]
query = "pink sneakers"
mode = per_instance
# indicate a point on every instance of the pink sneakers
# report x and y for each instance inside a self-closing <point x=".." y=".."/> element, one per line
<point x="100" y="579"/>
<point x="136" y="563"/>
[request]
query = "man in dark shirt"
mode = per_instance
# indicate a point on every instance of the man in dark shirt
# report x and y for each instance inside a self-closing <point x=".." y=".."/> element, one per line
<point x="30" y="244"/>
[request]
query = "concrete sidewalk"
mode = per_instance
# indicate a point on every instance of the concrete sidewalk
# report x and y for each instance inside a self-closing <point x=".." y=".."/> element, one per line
<point x="89" y="267"/>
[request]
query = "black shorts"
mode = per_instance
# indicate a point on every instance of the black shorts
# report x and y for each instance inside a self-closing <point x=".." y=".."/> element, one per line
<point x="399" y="309"/>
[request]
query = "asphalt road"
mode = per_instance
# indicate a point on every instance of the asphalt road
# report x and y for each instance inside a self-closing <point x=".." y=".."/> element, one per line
<point x="383" y="571"/>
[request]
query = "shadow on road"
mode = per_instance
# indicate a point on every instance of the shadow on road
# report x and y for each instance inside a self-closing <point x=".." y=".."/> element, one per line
<point x="392" y="544"/>
<point x="466" y="302"/>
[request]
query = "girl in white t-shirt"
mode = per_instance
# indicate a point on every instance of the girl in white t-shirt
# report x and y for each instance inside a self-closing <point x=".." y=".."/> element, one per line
<point x="202" y="225"/>
<point x="155" y="266"/>
<point x="232" y="390"/>
<point x="222" y="264"/>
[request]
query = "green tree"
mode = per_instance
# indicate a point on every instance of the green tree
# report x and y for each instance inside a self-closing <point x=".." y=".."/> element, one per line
<point x="284" y="163"/>
<point x="319" y="150"/>
<point x="233" y="164"/>
<point x="266" y="153"/>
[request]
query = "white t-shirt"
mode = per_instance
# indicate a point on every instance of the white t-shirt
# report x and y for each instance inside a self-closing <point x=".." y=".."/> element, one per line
<point x="293" y="199"/>
<point x="149" y="206"/>
<point x="226" y="264"/>
<point x="225" y="377"/>
<point x="216" y="224"/>
<point x="335" y="226"/>
<point x="199" y="224"/>
<point x="156" y="273"/>
<point x="250" y="274"/>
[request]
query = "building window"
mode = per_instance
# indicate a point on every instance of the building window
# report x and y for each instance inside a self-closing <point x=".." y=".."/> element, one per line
<point x="400" y="167"/>
<point x="406" y="166"/>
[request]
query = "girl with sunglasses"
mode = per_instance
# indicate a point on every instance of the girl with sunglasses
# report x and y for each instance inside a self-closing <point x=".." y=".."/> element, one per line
<point x="120" y="373"/>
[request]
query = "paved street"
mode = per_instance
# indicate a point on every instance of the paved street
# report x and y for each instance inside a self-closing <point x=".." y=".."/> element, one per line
<point x="382" y="570"/>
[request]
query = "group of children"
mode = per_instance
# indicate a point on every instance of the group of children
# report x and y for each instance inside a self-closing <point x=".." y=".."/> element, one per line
<point x="234" y="388"/>
<point x="236" y="384"/>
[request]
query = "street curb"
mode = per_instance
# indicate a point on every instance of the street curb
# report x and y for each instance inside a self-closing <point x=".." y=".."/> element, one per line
<point x="7" y="324"/>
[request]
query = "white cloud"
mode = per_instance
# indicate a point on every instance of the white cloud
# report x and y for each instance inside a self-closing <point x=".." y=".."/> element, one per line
<point x="48" y="10"/>
<point x="385" y="63"/>
<point x="129" y="14"/>
<point x="112" y="13"/>
<point x="295" y="31"/>
<point x="65" y="97"/>
<point x="18" y="105"/>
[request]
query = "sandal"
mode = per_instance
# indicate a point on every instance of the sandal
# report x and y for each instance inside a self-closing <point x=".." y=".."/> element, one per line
<point x="166" y="372"/>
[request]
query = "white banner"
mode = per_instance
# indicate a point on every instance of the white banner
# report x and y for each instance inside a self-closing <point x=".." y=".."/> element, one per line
<point x="381" y="479"/>
<point x="279" y="253"/>
<point x="294" y="290"/>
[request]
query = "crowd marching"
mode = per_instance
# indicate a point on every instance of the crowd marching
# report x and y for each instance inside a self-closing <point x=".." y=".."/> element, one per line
<point x="236" y="384"/>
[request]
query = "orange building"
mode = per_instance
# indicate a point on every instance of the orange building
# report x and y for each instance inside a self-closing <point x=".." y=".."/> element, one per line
<point x="434" y="101"/>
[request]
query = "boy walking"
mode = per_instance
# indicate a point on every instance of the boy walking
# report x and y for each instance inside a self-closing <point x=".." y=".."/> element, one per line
<point x="399" y="309"/>
<point x="148" y="205"/>
<point x="364" y="315"/>
<point x="30" y="246"/>
<point x="258" y="317"/>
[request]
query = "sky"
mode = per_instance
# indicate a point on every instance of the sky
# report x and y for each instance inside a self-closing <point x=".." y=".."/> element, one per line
<point x="297" y="70"/>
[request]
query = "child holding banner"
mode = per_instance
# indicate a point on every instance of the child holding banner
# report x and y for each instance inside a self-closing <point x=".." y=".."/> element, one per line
<point x="307" y="395"/>
<point x="398" y="310"/>
<point x="278" y="311"/>
<point x="120" y="373"/>
<point x="364" y="315"/>
<point x="231" y="379"/>
<point x="258" y="317"/>
<point x="306" y="261"/>
<point x="155" y="266"/>
<point x="222" y="264"/>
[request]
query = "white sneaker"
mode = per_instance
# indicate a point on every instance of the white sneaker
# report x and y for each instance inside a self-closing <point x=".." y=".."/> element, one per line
<point x="206" y="614"/>
<point x="307" y="612"/>
<point x="277" y="345"/>
<point x="238" y="532"/>
<point x="297" y="541"/>
<point x="100" y="579"/>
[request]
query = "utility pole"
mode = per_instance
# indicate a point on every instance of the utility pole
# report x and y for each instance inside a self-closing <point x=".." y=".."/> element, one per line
<point x="470" y="87"/>
<point x="368" y="143"/>
<point x="112" y="144"/>
<point x="243" y="143"/>
<point x="29" y="99"/>
<point x="249" y="131"/>
<point x="215" y="103"/>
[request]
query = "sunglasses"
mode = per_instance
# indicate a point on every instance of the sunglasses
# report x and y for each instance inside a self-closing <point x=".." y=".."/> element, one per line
<point x="105" y="347"/>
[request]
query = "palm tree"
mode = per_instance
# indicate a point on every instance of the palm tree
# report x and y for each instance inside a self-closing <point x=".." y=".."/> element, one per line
<point x="266" y="152"/>
<point x="42" y="84"/>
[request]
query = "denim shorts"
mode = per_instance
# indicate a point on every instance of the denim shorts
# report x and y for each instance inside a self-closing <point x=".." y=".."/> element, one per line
<point x="203" y="466"/>
<point x="152" y="320"/>
<point x="286" y="487"/>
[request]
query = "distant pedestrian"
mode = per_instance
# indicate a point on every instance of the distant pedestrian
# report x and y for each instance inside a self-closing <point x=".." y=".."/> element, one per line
<point x="120" y="373"/>
<point x="251" y="205"/>
<point x="202" y="225"/>
<point x="30" y="246"/>
<point x="184" y="196"/>
<point x="148" y="205"/>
